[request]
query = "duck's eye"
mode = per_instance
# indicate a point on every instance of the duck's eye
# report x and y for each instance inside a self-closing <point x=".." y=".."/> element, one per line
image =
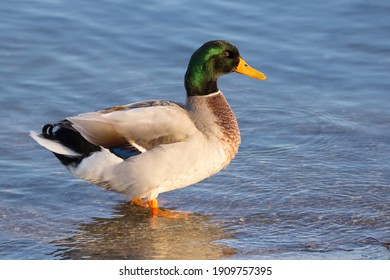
<point x="226" y="53"/>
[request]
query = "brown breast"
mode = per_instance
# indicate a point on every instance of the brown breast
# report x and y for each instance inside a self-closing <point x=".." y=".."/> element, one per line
<point x="228" y="123"/>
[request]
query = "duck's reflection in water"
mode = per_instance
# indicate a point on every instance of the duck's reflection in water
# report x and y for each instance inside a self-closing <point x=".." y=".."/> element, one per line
<point x="131" y="234"/>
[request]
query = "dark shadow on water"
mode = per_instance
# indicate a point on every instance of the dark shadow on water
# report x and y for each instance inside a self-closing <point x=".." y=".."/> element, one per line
<point x="131" y="234"/>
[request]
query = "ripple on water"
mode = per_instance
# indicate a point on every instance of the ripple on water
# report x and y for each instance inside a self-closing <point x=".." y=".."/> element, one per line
<point x="308" y="130"/>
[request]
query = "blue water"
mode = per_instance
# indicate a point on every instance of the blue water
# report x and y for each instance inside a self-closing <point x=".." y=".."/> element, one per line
<point x="312" y="177"/>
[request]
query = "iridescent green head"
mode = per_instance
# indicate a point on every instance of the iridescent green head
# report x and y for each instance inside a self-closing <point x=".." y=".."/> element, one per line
<point x="212" y="60"/>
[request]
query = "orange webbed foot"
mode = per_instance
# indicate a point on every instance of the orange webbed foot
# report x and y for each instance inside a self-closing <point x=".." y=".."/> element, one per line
<point x="139" y="202"/>
<point x="155" y="212"/>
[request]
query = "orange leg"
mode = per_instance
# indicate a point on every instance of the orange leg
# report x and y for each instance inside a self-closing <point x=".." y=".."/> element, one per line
<point x="154" y="210"/>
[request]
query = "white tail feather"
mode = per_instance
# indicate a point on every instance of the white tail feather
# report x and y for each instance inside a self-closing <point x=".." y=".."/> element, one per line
<point x="53" y="145"/>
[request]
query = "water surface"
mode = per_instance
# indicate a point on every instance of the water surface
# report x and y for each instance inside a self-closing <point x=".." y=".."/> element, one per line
<point x="312" y="177"/>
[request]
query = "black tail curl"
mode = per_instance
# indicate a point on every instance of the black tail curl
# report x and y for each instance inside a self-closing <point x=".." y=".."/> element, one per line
<point x="64" y="133"/>
<point x="47" y="131"/>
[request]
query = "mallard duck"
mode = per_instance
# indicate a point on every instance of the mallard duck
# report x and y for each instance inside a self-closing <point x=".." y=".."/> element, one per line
<point x="147" y="148"/>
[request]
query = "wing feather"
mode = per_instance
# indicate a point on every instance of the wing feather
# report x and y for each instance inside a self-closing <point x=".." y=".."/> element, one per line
<point x="145" y="125"/>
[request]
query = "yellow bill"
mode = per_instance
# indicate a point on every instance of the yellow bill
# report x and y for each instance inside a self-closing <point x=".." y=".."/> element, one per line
<point x="245" y="69"/>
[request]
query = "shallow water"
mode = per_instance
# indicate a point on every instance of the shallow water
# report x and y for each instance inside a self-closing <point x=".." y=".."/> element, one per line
<point x="312" y="177"/>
